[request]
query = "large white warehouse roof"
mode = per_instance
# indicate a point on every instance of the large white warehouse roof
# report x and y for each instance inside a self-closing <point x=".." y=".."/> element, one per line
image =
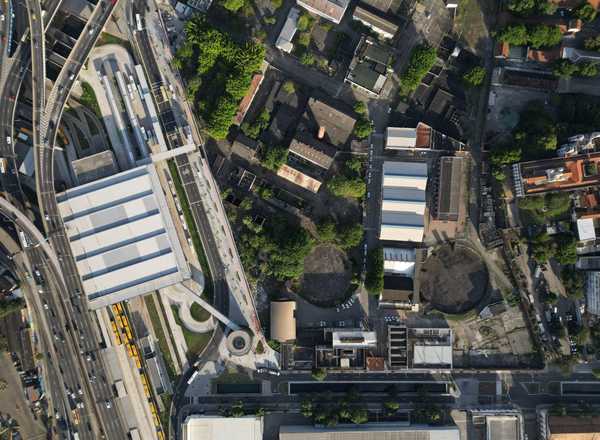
<point x="122" y="236"/>
<point x="198" y="427"/>
<point x="403" y="202"/>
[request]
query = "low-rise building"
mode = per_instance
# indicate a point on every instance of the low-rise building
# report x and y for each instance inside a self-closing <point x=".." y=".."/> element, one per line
<point x="332" y="10"/>
<point x="572" y="428"/>
<point x="376" y="20"/>
<point x="245" y="147"/>
<point x="290" y="26"/>
<point x="403" y="201"/>
<point x="556" y="174"/>
<point x="283" y="321"/>
<point x="312" y="151"/>
<point x="368" y="70"/>
<point x="201" y="427"/>
<point x="419" y="348"/>
<point x="94" y="167"/>
<point x="422" y="137"/>
<point x="328" y="123"/>
<point x="448" y="191"/>
<point x="398" y="283"/>
<point x="369" y="431"/>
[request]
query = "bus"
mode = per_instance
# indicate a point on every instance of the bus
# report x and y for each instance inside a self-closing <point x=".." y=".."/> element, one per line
<point x="138" y="22"/>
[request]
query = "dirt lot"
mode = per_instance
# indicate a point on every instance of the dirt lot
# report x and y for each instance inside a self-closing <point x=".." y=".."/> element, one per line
<point x="14" y="405"/>
<point x="453" y="280"/>
<point x="327" y="276"/>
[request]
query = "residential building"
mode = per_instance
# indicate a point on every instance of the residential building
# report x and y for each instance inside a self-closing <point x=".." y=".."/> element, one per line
<point x="328" y="123"/>
<point x="422" y="137"/>
<point x="122" y="236"/>
<point x="572" y="428"/>
<point x="368" y="70"/>
<point x="556" y="174"/>
<point x="201" y="427"/>
<point x="290" y="26"/>
<point x="586" y="229"/>
<point x="246" y="101"/>
<point x="403" y="201"/>
<point x="376" y="20"/>
<point x="398" y="283"/>
<point x="369" y="431"/>
<point x="312" y="151"/>
<point x="448" y="190"/>
<point x="299" y="178"/>
<point x="283" y="321"/>
<point x="245" y="147"/>
<point x="332" y="10"/>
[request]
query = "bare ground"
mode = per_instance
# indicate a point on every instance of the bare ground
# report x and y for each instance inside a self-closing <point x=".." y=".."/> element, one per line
<point x="327" y="276"/>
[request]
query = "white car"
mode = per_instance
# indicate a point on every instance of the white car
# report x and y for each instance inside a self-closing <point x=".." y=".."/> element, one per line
<point x="45" y="306"/>
<point x="108" y="404"/>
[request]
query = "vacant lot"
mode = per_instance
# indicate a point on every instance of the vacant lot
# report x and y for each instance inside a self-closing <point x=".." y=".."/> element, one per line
<point x="327" y="276"/>
<point x="453" y="279"/>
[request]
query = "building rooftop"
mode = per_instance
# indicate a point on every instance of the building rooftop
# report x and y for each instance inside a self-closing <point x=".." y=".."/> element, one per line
<point x="337" y="124"/>
<point x="502" y="427"/>
<point x="284" y="40"/>
<point x="401" y="137"/>
<point x="375" y="19"/>
<point x="313" y="150"/>
<point x="369" y="431"/>
<point x="403" y="201"/>
<point x="299" y="178"/>
<point x="432" y="355"/>
<point x="573" y="428"/>
<point x="200" y="427"/>
<point x="245" y="147"/>
<point x="333" y="10"/>
<point x="94" y="167"/>
<point x="400" y="261"/>
<point x="449" y="188"/>
<point x="560" y="173"/>
<point x="283" y="320"/>
<point x="122" y="236"/>
<point x="368" y="69"/>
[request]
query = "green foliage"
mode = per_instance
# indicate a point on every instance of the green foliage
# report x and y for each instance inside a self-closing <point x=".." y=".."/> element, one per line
<point x="271" y="20"/>
<point x="422" y="59"/>
<point x="303" y="38"/>
<point x="359" y="416"/>
<point x="350" y="236"/>
<point x="544" y="36"/>
<point x="392" y="406"/>
<point x="541" y="247"/>
<point x="349" y="183"/>
<point x="233" y="5"/>
<point x="327" y="231"/>
<point x="88" y="98"/>
<point x="223" y="70"/>
<point x="277" y="249"/>
<point x="585" y="12"/>
<point x="592" y="43"/>
<point x="306" y="408"/>
<point x="536" y="132"/>
<point x="258" y="126"/>
<point x="265" y="192"/>
<point x="237" y="409"/>
<point x="9" y="306"/>
<point x="289" y="87"/>
<point x="305" y="22"/>
<point x="532" y="203"/>
<point x="307" y="59"/>
<point x="548" y="297"/>
<point x="275" y="345"/>
<point x="363" y="128"/>
<point x="505" y="155"/>
<point x="374" y="277"/>
<point x="274" y="157"/>
<point x="536" y="36"/>
<point x="566" y="249"/>
<point x="565" y="68"/>
<point x="475" y="76"/>
<point x="573" y="281"/>
<point x="360" y="107"/>
<point x="596" y="372"/>
<point x="319" y="374"/>
<point x="531" y="7"/>
<point x="515" y="34"/>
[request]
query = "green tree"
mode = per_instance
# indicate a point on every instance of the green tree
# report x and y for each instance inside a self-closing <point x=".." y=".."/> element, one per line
<point x="515" y="34"/>
<point x="374" y="276"/>
<point x="305" y="21"/>
<point x="541" y="248"/>
<point x="274" y="158"/>
<point x="233" y="5"/>
<point x="350" y="236"/>
<point x="585" y="12"/>
<point x="592" y="43"/>
<point x="564" y="68"/>
<point x="475" y="76"/>
<point x="573" y="281"/>
<point x="422" y="58"/>
<point x="237" y="409"/>
<point x="536" y="132"/>
<point x="326" y="231"/>
<point x="306" y="408"/>
<point x="596" y="372"/>
<point x="307" y="59"/>
<point x="289" y="87"/>
<point x="566" y="249"/>
<point x="348" y="187"/>
<point x="587" y="68"/>
<point x="392" y="406"/>
<point x="319" y="374"/>
<point x="363" y="128"/>
<point x="10" y="306"/>
<point x="522" y="7"/>
<point x="359" y="416"/>
<point x="544" y="36"/>
<point x="505" y="155"/>
<point x="532" y="203"/>
<point x="265" y="192"/>
<point x="360" y="107"/>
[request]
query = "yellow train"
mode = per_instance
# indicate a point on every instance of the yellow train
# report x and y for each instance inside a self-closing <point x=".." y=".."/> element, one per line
<point x="116" y="332"/>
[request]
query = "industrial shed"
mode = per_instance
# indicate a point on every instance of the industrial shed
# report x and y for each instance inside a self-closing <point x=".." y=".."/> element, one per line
<point x="403" y="203"/>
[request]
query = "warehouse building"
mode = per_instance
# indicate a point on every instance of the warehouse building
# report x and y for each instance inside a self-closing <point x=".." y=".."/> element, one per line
<point x="122" y="236"/>
<point x="369" y="431"/>
<point x="448" y="192"/>
<point x="200" y="427"/>
<point x="403" y="204"/>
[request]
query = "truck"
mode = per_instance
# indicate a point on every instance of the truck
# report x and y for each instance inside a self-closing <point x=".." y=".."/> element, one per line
<point x="22" y="136"/>
<point x="75" y="416"/>
<point x="3" y="165"/>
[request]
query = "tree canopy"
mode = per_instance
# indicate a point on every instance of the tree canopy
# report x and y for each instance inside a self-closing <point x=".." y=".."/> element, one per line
<point x="565" y="68"/>
<point x="531" y="7"/>
<point x="536" y="36"/>
<point x="422" y="58"/>
<point x="475" y="76"/>
<point x="274" y="157"/>
<point x="374" y="277"/>
<point x="350" y="182"/>
<point x="219" y="71"/>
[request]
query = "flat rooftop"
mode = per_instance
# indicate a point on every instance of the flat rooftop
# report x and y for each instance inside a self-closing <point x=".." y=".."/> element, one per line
<point x="122" y="236"/>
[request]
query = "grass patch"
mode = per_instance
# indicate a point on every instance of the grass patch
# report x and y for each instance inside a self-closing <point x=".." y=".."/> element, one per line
<point x="106" y="38"/>
<point x="88" y="98"/>
<point x="164" y="415"/>
<point x="199" y="313"/>
<point x="160" y="334"/>
<point x="189" y="220"/>
<point x="233" y="378"/>
<point x="196" y="342"/>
